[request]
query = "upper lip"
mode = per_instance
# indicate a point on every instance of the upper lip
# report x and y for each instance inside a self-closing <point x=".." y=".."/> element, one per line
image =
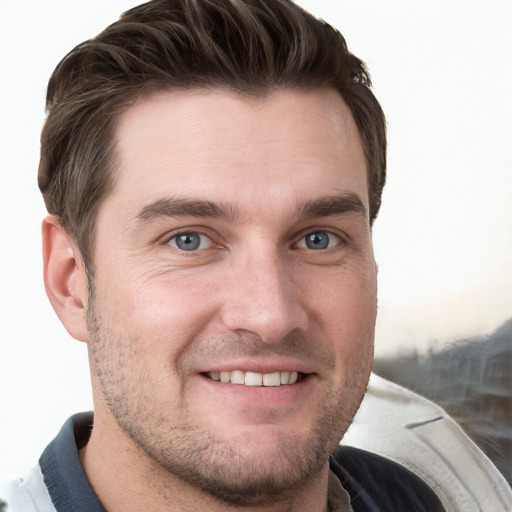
<point x="278" y="364"/>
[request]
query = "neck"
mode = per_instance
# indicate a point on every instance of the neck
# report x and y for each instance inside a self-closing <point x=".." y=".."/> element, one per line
<point x="125" y="478"/>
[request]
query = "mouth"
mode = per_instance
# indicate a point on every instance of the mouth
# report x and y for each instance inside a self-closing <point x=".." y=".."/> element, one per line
<point x="255" y="379"/>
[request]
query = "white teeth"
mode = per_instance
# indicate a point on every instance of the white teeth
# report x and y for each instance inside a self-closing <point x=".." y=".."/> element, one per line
<point x="237" y="377"/>
<point x="255" y="379"/>
<point x="271" y="379"/>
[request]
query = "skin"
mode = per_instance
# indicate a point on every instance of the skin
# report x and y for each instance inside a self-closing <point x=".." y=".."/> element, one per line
<point x="251" y="176"/>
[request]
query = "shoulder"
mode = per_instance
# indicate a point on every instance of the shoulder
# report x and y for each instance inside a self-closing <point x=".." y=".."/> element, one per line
<point x="378" y="484"/>
<point x="419" y="436"/>
<point x="58" y="478"/>
<point x="27" y="494"/>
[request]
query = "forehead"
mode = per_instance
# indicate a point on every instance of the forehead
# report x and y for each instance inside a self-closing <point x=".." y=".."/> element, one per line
<point x="220" y="146"/>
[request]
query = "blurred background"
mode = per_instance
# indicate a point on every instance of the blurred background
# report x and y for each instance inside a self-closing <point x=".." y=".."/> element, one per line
<point x="442" y="70"/>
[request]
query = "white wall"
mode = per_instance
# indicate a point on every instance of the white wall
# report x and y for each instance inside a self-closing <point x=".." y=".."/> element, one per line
<point x="443" y="73"/>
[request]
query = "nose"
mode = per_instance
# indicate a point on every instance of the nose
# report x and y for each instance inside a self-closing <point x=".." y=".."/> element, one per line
<point x="262" y="296"/>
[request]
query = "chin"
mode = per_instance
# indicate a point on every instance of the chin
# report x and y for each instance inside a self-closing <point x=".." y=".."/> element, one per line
<point x="257" y="473"/>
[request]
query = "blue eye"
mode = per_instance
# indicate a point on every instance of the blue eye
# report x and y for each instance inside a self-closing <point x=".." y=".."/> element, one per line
<point x="190" y="241"/>
<point x="318" y="240"/>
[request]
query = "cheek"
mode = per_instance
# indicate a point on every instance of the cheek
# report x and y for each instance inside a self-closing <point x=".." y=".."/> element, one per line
<point x="346" y="301"/>
<point x="345" y="310"/>
<point x="164" y="314"/>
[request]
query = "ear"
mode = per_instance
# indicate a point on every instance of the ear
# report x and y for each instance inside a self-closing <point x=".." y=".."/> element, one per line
<point x="65" y="279"/>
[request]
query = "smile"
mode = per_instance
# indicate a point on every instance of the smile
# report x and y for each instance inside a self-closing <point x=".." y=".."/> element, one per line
<point x="256" y="379"/>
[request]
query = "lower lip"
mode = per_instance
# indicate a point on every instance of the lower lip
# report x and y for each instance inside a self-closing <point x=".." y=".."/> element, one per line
<point x="260" y="396"/>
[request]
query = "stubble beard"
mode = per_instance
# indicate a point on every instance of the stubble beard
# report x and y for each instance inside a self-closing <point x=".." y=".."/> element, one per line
<point x="194" y="454"/>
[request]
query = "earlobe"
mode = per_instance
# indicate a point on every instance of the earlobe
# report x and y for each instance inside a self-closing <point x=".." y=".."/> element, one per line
<point x="65" y="279"/>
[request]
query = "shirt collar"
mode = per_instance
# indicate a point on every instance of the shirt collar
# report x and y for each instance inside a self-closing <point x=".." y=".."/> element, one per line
<point x="62" y="470"/>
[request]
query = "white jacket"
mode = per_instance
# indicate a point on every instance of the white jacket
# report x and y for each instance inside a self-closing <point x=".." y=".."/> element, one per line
<point x="398" y="424"/>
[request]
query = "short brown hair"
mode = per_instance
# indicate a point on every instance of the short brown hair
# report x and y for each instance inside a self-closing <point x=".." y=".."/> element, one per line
<point x="248" y="46"/>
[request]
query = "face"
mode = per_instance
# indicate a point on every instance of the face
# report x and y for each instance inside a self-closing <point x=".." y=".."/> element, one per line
<point x="231" y="328"/>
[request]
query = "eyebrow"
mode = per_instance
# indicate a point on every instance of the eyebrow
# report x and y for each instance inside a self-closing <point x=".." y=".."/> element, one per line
<point x="182" y="207"/>
<point x="333" y="205"/>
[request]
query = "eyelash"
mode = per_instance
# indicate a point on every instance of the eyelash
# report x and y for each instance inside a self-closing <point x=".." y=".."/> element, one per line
<point x="331" y="237"/>
<point x="302" y="240"/>
<point x="175" y="237"/>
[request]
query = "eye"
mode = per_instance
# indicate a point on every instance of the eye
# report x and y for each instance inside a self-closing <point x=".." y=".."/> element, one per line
<point x="319" y="240"/>
<point x="190" y="241"/>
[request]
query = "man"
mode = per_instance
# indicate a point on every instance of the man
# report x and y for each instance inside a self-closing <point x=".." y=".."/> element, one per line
<point x="212" y="170"/>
